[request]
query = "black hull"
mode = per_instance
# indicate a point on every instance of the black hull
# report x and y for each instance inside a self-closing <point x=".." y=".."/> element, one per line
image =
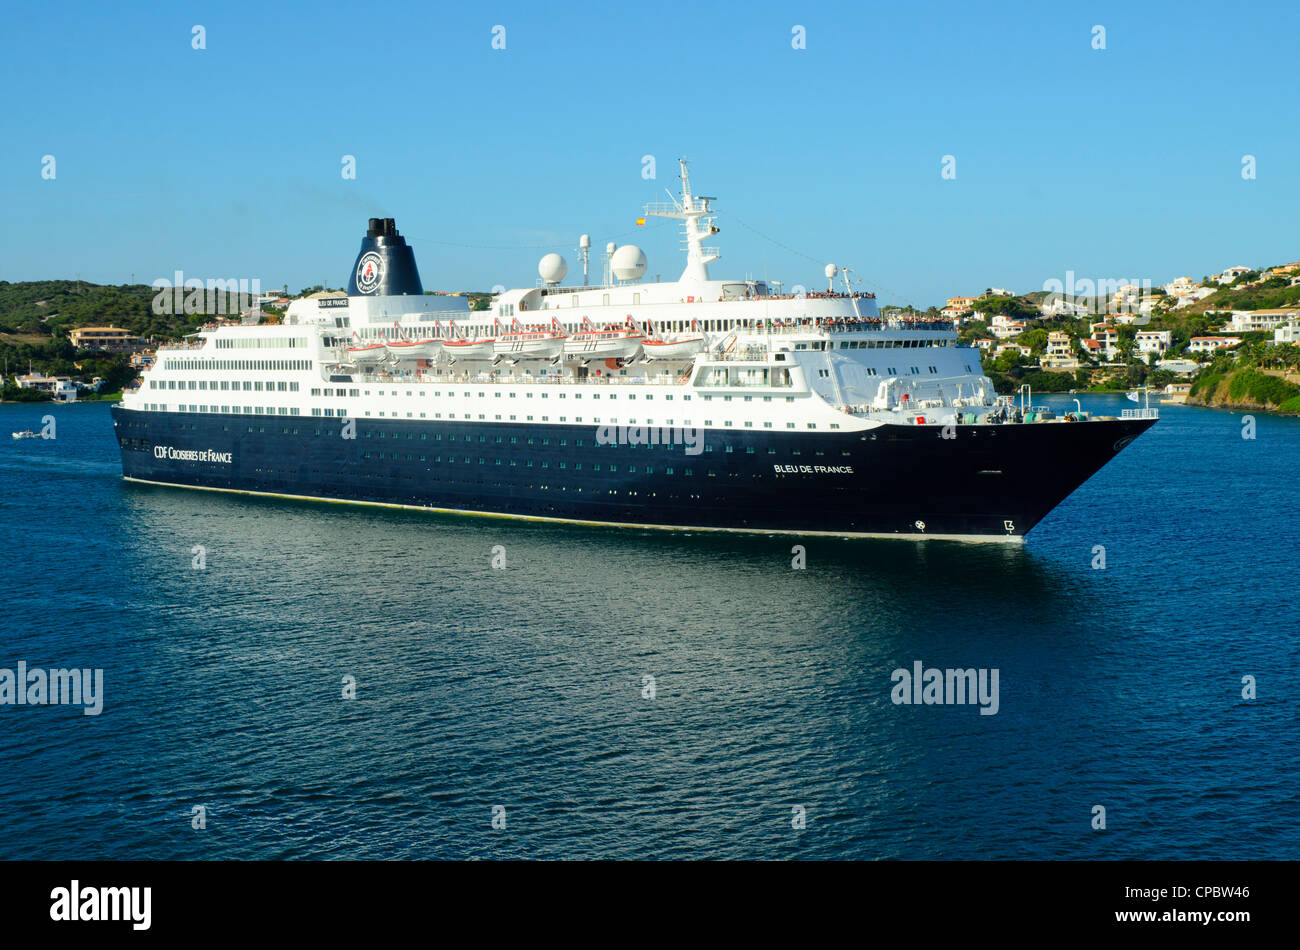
<point x="990" y="482"/>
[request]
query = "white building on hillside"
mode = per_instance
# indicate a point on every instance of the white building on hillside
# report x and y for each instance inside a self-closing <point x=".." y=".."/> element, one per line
<point x="1244" y="321"/>
<point x="1057" y="306"/>
<point x="1195" y="295"/>
<point x="1232" y="273"/>
<point x="1211" y="344"/>
<point x="1016" y="347"/>
<point x="1180" y="367"/>
<point x="1060" y="354"/>
<point x="1108" y="339"/>
<point x="62" y="388"/>
<point x="1152" y="341"/>
<point x="1004" y="328"/>
<point x="1287" y="334"/>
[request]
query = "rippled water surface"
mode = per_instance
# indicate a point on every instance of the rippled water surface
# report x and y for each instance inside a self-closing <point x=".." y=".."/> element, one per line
<point x="523" y="687"/>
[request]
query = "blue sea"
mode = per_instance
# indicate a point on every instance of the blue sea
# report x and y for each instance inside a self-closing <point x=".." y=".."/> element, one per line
<point x="507" y="713"/>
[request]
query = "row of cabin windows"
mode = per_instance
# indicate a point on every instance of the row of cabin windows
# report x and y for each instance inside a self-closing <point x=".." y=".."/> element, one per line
<point x="528" y="463"/>
<point x="596" y="466"/>
<point x="631" y="396"/>
<point x="878" y="344"/>
<point x="595" y="420"/>
<point x="261" y="343"/>
<point x="232" y="410"/>
<point x="561" y="443"/>
<point x="451" y="437"/>
<point x="226" y="385"/>
<point x="342" y="413"/>
<point x="515" y="487"/>
<point x="498" y="439"/>
<point x="452" y="394"/>
<point x="477" y="484"/>
<point x="544" y="464"/>
<point x="190" y="365"/>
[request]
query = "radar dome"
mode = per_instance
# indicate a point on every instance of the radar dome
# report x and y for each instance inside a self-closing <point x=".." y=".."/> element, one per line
<point x="552" y="268"/>
<point x="584" y="241"/>
<point x="830" y="271"/>
<point x="610" y="247"/>
<point x="628" y="262"/>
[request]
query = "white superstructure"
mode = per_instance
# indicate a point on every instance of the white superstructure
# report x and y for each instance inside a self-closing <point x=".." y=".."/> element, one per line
<point x="695" y="351"/>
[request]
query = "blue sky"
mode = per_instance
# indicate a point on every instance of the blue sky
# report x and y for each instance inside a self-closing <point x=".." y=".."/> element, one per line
<point x="1117" y="163"/>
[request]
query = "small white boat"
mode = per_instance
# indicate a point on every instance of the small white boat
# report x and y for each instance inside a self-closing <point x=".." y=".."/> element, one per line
<point x="368" y="354"/>
<point x="468" y="349"/>
<point x="428" y="349"/>
<point x="610" y="343"/>
<point x="26" y="434"/>
<point x="529" y="345"/>
<point x="680" y="349"/>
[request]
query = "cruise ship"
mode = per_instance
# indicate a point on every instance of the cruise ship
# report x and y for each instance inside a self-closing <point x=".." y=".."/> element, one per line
<point x="693" y="404"/>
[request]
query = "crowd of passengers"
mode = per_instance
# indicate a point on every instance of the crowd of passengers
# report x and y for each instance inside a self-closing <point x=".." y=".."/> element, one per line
<point x="860" y="323"/>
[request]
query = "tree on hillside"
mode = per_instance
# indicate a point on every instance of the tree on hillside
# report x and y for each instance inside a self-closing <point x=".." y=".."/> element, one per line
<point x="1035" y="339"/>
<point x="1008" y="360"/>
<point x="1013" y="307"/>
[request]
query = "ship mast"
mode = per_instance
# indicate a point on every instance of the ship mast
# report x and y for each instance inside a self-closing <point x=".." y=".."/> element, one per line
<point x="848" y="289"/>
<point x="697" y="223"/>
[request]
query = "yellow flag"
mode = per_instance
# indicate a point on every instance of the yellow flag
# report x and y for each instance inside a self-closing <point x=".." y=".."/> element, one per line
<point x="640" y="222"/>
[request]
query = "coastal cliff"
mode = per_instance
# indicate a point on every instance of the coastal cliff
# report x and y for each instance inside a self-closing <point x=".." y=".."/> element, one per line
<point x="1248" y="388"/>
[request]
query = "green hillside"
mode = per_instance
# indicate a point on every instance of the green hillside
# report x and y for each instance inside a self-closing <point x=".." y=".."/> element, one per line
<point x="1271" y="294"/>
<point x="52" y="307"/>
<point x="35" y="317"/>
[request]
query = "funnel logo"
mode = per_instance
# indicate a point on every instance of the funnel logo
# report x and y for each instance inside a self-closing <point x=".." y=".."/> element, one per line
<point x="369" y="270"/>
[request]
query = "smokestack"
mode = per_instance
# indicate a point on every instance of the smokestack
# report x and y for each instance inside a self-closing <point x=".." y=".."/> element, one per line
<point x="385" y="266"/>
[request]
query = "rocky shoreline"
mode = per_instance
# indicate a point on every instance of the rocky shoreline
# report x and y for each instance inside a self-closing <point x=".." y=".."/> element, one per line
<point x="1246" y="390"/>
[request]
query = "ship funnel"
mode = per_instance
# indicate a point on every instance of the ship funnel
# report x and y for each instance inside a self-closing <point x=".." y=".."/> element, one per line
<point x="385" y="266"/>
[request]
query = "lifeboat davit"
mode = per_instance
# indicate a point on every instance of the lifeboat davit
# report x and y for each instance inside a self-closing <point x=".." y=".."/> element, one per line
<point x="680" y="349"/>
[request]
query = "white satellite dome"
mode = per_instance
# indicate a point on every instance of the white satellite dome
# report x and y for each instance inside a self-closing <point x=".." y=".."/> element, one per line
<point x="628" y="262"/>
<point x="552" y="268"/>
<point x="610" y="248"/>
<point x="584" y="241"/>
<point x="831" y="271"/>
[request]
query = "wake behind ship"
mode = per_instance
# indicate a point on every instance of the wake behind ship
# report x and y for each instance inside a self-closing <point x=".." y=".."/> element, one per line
<point x="696" y="403"/>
